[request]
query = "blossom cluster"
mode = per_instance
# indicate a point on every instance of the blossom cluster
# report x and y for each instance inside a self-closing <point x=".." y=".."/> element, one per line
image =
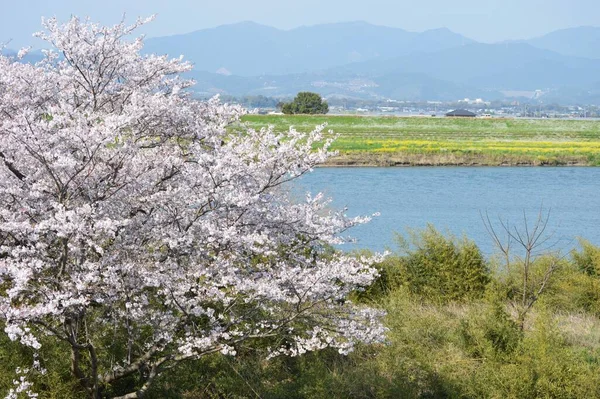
<point x="128" y="207"/>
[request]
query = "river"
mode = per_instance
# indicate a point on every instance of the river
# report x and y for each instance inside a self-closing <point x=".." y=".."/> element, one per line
<point x="453" y="199"/>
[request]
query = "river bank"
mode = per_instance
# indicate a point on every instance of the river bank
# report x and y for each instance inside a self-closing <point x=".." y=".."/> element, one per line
<point x="410" y="141"/>
<point x="370" y="159"/>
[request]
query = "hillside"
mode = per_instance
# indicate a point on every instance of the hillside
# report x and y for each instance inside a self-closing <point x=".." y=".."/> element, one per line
<point x="366" y="61"/>
<point x="583" y="41"/>
<point x="248" y="49"/>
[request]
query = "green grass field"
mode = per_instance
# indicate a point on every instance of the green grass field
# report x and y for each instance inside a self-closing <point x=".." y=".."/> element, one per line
<point x="384" y="140"/>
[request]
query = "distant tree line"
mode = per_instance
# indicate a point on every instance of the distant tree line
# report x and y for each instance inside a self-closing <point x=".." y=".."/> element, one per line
<point x="259" y="101"/>
<point x="530" y="108"/>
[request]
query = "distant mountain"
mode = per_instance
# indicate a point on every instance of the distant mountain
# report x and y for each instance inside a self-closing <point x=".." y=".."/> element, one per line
<point x="580" y="42"/>
<point x="493" y="66"/>
<point x="357" y="59"/>
<point x="474" y="70"/>
<point x="405" y="86"/>
<point x="360" y="60"/>
<point x="249" y="49"/>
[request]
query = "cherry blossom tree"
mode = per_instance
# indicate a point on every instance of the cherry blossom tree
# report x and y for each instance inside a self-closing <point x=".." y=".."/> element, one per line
<point x="134" y="215"/>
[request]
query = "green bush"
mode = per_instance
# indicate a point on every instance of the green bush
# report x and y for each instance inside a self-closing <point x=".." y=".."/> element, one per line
<point x="490" y="332"/>
<point x="543" y="366"/>
<point x="574" y="291"/>
<point x="575" y="286"/>
<point x="588" y="258"/>
<point x="306" y="103"/>
<point x="55" y="383"/>
<point x="435" y="267"/>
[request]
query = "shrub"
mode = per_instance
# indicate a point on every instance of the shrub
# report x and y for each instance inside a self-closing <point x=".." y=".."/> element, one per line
<point x="490" y="332"/>
<point x="543" y="366"/>
<point x="306" y="103"/>
<point x="435" y="267"/>
<point x="587" y="259"/>
<point x="577" y="286"/>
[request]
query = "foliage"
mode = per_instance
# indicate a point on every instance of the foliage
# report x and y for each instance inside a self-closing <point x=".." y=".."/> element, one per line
<point x="588" y="258"/>
<point x="577" y="286"/>
<point x="436" y="267"/>
<point x="542" y="365"/>
<point x="306" y="103"/>
<point x="57" y="382"/>
<point x="137" y="232"/>
<point x="491" y="333"/>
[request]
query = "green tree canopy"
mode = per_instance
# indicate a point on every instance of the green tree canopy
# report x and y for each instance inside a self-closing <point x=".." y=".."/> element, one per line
<point x="306" y="103"/>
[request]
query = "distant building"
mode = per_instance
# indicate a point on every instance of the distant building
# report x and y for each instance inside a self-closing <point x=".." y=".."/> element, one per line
<point x="474" y="102"/>
<point x="461" y="113"/>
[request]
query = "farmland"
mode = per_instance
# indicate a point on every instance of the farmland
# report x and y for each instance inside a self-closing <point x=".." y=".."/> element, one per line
<point x="391" y="141"/>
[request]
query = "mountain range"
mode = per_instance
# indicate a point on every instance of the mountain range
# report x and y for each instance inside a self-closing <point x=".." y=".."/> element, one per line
<point x="249" y="49"/>
<point x="361" y="60"/>
<point x="580" y="42"/>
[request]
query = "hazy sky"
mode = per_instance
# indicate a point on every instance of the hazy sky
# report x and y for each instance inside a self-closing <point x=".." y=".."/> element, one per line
<point x="483" y="20"/>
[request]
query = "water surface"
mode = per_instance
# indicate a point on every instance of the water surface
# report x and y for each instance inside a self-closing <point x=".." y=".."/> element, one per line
<point x="452" y="198"/>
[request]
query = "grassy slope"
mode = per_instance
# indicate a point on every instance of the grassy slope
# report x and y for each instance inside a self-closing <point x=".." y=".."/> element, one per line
<point x="383" y="140"/>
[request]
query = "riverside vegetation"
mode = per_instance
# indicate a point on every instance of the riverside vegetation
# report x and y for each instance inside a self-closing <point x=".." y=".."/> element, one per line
<point x="389" y="141"/>
<point x="454" y="331"/>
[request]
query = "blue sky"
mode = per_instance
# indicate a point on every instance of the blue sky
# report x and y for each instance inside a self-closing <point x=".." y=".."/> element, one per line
<point x="483" y="20"/>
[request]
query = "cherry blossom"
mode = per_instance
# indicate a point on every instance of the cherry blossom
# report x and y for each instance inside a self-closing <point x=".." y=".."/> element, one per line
<point x="134" y="214"/>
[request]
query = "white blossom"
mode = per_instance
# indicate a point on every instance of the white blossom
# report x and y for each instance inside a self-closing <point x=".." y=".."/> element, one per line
<point x="149" y="217"/>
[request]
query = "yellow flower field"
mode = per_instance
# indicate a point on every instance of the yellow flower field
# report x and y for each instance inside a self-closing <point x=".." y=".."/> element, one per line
<point x="399" y="140"/>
